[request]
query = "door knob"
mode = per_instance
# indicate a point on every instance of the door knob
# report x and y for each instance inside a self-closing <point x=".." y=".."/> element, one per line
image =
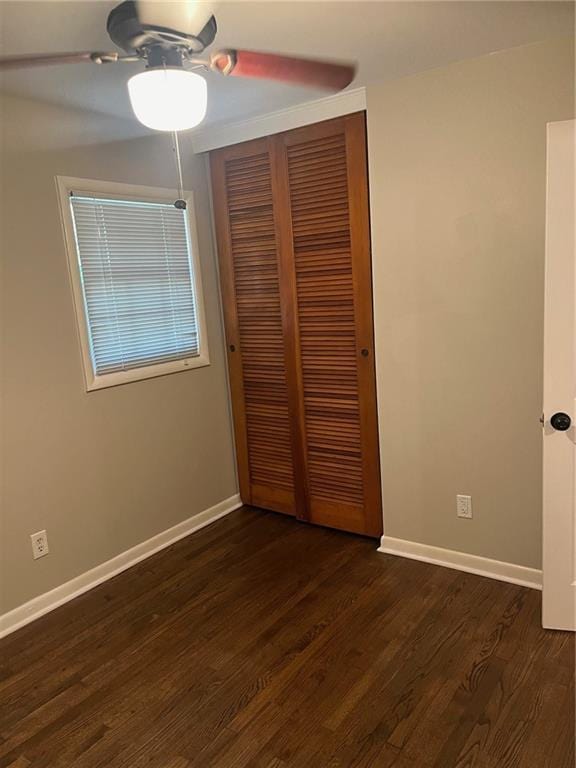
<point x="561" y="421"/>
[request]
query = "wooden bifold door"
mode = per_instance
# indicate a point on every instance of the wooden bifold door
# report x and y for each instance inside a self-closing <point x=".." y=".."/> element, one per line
<point x="294" y="247"/>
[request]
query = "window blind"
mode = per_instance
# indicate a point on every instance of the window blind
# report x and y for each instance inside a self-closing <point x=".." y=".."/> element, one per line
<point x="137" y="281"/>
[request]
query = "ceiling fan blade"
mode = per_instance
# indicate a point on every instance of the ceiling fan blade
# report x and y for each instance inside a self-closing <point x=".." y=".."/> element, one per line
<point x="45" y="59"/>
<point x="286" y="69"/>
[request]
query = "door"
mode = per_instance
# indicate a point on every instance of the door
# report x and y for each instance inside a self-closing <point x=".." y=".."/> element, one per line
<point x="292" y="226"/>
<point x="250" y="281"/>
<point x="559" y="550"/>
<point x="321" y="173"/>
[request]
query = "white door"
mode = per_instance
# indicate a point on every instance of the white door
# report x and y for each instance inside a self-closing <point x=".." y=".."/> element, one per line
<point x="559" y="551"/>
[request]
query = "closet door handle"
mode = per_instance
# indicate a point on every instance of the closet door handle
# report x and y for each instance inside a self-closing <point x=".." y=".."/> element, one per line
<point x="364" y="352"/>
<point x="232" y="348"/>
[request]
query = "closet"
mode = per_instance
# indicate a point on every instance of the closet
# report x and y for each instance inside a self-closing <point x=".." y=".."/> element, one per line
<point x="292" y="227"/>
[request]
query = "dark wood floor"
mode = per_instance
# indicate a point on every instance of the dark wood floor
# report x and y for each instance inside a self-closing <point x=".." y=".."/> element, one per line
<point x="266" y="643"/>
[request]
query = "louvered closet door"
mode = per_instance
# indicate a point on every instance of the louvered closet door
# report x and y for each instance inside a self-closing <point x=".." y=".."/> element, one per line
<point x="322" y="186"/>
<point x="249" y="270"/>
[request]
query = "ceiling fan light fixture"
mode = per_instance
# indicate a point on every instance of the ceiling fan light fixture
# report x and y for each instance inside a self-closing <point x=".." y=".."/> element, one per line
<point x="168" y="98"/>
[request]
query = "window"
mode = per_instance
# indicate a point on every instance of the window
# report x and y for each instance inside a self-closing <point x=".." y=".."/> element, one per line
<point x="136" y="280"/>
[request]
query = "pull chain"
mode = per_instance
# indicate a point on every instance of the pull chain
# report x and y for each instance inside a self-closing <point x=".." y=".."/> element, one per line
<point x="180" y="203"/>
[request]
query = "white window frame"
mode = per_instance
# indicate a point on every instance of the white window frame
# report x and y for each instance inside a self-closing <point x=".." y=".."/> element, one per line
<point x="67" y="185"/>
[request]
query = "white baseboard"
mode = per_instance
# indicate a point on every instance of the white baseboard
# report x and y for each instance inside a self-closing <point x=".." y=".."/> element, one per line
<point x="38" y="606"/>
<point x="461" y="561"/>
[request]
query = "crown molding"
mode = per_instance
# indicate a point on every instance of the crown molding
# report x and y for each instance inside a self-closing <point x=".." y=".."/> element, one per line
<point x="223" y="135"/>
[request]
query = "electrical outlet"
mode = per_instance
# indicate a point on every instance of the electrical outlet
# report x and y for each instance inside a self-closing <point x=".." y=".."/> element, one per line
<point x="39" y="544"/>
<point x="464" y="506"/>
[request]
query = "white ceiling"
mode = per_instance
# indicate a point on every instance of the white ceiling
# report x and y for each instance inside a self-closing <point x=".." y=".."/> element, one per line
<point x="387" y="39"/>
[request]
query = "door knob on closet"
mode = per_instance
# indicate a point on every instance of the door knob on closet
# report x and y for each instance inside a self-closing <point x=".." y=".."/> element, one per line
<point x="561" y="421"/>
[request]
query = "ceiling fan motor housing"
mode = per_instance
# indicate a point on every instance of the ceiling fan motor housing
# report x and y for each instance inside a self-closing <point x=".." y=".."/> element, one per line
<point x="127" y="32"/>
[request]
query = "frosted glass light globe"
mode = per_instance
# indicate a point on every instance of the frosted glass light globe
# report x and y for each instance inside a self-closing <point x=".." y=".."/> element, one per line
<point x="168" y="99"/>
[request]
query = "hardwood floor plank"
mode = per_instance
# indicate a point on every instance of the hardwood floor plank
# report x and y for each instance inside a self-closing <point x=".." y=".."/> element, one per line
<point x="261" y="642"/>
<point x="464" y="687"/>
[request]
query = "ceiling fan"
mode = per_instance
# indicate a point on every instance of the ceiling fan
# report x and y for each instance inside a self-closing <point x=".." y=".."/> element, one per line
<point x="170" y="37"/>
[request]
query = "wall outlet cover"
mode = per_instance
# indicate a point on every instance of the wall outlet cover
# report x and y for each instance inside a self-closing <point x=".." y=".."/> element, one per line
<point x="39" y="544"/>
<point x="464" y="506"/>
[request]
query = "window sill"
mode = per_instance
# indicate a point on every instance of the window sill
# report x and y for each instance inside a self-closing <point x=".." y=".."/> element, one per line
<point x="146" y="372"/>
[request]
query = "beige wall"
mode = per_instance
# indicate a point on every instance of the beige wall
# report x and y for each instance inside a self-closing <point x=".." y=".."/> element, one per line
<point x="457" y="175"/>
<point x="105" y="470"/>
